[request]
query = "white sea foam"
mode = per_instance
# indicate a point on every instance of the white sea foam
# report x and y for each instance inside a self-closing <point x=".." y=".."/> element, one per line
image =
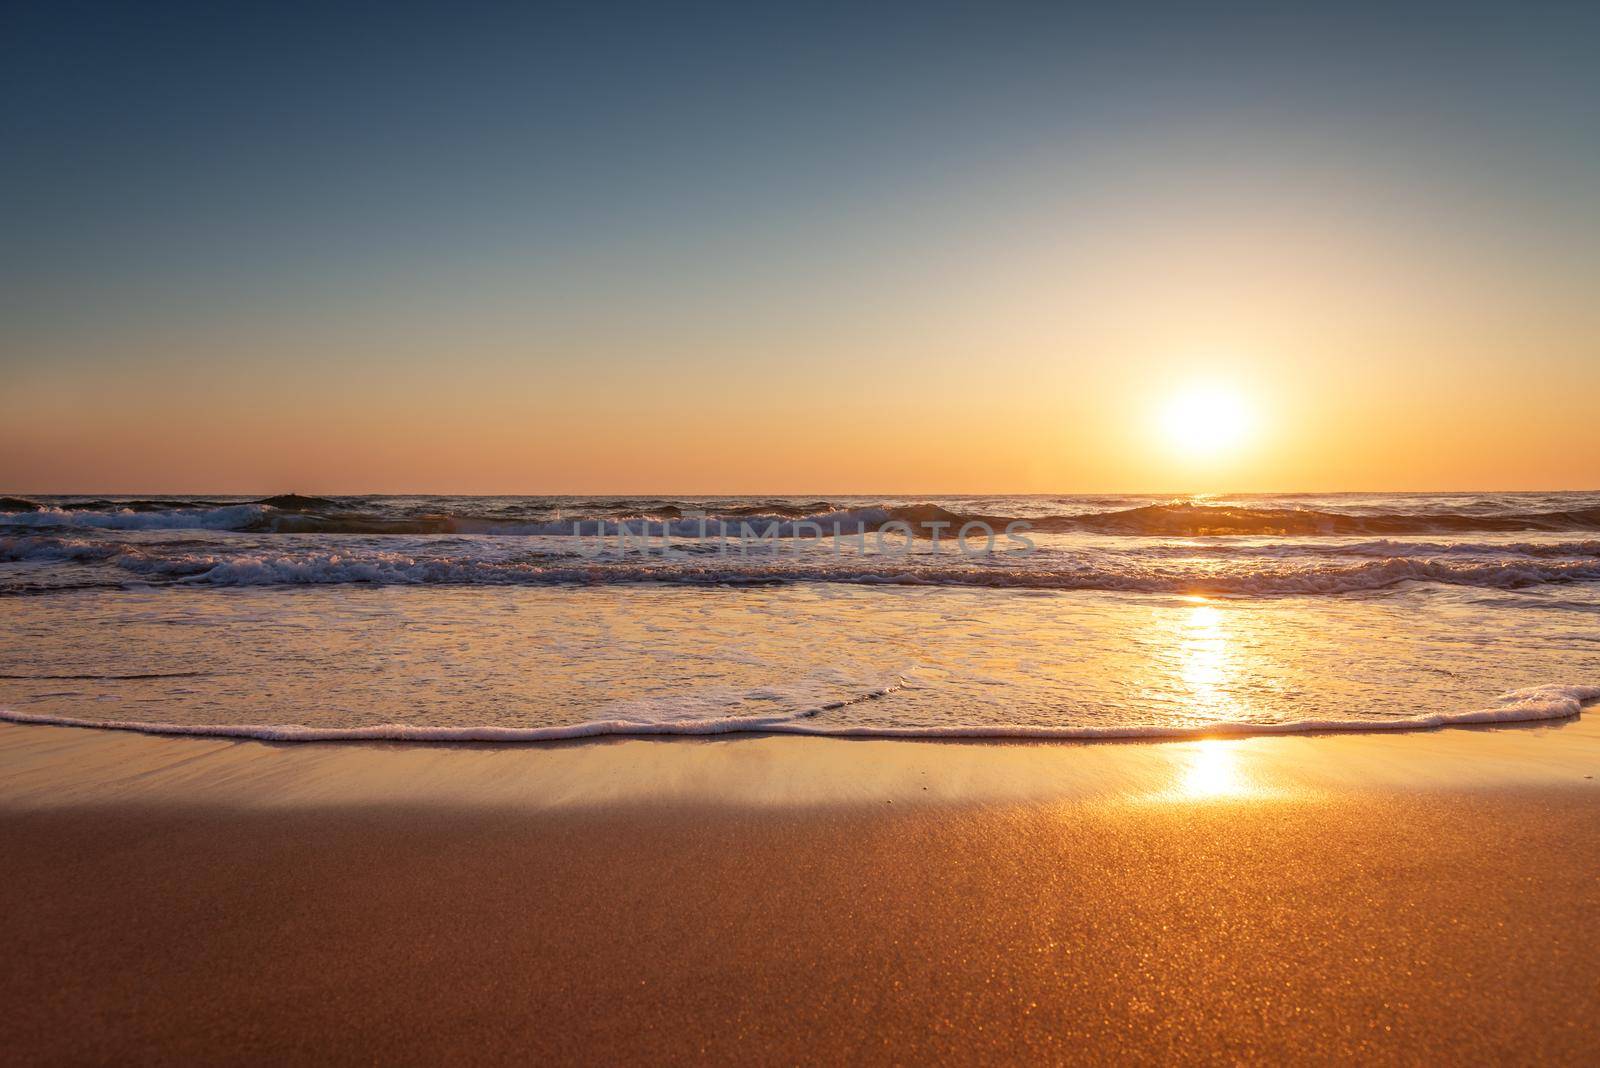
<point x="1249" y="547"/>
<point x="230" y="517"/>
<point x="1532" y="704"/>
<point x="1391" y="548"/>
<point x="443" y="563"/>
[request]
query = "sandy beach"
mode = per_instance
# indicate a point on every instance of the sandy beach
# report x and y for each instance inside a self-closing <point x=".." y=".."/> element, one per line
<point x="1403" y="898"/>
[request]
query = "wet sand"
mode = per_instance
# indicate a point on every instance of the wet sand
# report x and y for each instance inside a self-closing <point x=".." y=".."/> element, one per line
<point x="776" y="899"/>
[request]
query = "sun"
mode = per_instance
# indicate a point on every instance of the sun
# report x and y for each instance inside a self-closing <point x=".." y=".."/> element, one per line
<point x="1206" y="421"/>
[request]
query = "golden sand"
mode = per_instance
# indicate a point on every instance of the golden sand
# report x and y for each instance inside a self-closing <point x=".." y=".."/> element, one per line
<point x="779" y="899"/>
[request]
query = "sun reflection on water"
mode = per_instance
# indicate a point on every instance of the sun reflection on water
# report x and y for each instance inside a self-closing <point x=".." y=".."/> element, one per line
<point x="1209" y="664"/>
<point x="1206" y="661"/>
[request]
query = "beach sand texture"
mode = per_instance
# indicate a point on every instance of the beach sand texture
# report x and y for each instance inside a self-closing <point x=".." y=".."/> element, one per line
<point x="172" y="899"/>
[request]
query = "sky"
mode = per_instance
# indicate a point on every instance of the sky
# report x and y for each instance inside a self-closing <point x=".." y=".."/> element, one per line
<point x="808" y="248"/>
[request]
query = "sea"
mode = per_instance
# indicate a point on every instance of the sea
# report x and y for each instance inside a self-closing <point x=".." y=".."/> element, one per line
<point x="533" y="619"/>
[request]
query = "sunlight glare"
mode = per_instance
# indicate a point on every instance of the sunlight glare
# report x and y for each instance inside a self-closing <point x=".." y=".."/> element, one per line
<point x="1205" y="421"/>
<point x="1212" y="770"/>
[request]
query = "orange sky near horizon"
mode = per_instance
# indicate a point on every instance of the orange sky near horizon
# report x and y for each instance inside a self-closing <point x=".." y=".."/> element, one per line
<point x="1365" y="428"/>
<point x="1378" y="356"/>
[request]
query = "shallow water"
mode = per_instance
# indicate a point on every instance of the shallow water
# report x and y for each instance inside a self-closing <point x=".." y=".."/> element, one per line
<point x="225" y="616"/>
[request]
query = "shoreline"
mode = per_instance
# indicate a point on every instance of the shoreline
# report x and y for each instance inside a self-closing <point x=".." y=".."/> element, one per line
<point x="56" y="766"/>
<point x="1537" y="704"/>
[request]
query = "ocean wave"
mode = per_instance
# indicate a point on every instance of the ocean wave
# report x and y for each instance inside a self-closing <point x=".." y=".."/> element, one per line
<point x="265" y="517"/>
<point x="295" y="514"/>
<point x="454" y="564"/>
<point x="288" y="502"/>
<point x="1388" y="548"/>
<point x="234" y="517"/>
<point x="1187" y="519"/>
<point x="294" y="502"/>
<point x="1533" y="704"/>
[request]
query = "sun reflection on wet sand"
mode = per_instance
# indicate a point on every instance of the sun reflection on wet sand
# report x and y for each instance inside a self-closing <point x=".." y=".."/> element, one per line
<point x="1219" y="770"/>
<point x="1211" y="769"/>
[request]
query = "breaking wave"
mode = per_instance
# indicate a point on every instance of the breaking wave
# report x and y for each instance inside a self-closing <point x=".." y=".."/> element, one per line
<point x="1529" y="705"/>
<point x="1260" y="546"/>
<point x="1200" y="520"/>
<point x="1179" y="569"/>
<point x="294" y="514"/>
